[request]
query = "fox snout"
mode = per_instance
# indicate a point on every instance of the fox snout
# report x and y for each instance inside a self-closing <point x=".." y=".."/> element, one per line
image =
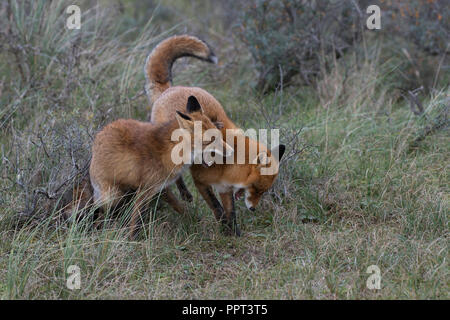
<point x="251" y="205"/>
<point x="251" y="201"/>
<point x="242" y="191"/>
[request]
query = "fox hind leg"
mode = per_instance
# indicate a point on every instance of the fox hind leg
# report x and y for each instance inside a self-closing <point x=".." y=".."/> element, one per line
<point x="105" y="198"/>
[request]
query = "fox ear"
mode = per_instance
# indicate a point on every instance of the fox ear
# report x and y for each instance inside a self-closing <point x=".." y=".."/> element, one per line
<point x="184" y="120"/>
<point x="278" y="151"/>
<point x="193" y="105"/>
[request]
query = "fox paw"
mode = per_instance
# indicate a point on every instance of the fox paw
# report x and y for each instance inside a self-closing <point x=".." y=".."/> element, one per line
<point x="229" y="230"/>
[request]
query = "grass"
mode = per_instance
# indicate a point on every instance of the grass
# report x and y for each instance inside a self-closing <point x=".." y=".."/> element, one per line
<point x="357" y="195"/>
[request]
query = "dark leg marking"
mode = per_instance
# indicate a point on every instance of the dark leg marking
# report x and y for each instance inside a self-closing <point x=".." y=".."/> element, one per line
<point x="230" y="222"/>
<point x="170" y="198"/>
<point x="184" y="192"/>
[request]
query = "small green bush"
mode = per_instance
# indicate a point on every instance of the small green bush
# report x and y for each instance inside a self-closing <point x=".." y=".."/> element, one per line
<point x="291" y="37"/>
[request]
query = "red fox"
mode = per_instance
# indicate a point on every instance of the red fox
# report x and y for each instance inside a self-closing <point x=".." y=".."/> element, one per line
<point x="133" y="155"/>
<point x="225" y="178"/>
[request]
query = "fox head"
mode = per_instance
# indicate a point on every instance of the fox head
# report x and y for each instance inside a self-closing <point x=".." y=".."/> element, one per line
<point x="196" y="123"/>
<point x="264" y="170"/>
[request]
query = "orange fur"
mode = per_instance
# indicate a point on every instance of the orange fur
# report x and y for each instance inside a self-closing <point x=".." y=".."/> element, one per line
<point x="159" y="62"/>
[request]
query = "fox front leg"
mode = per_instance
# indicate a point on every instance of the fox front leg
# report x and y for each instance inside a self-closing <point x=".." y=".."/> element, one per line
<point x="230" y="222"/>
<point x="208" y="194"/>
<point x="184" y="192"/>
<point x="170" y="198"/>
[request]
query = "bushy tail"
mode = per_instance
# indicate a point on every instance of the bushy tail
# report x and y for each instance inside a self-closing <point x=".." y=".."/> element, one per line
<point x="158" y="68"/>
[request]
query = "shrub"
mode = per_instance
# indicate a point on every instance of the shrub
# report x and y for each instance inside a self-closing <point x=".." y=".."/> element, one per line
<point x="426" y="23"/>
<point x="58" y="86"/>
<point x="288" y="37"/>
<point x="292" y="37"/>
